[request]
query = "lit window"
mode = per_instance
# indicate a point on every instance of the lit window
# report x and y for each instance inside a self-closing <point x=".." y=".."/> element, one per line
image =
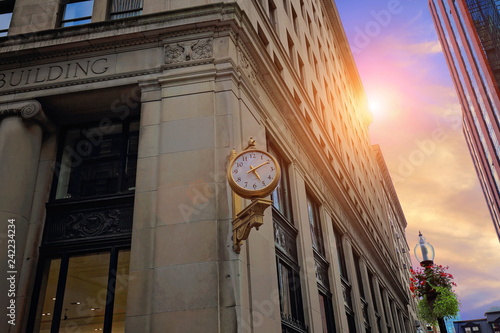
<point x="77" y="12"/>
<point x="84" y="293"/>
<point x="82" y="275"/>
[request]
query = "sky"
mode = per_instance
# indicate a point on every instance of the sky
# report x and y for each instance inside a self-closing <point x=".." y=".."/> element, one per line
<point x="417" y="123"/>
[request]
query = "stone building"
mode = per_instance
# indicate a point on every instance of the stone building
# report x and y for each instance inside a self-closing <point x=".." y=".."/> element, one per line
<point x="117" y="120"/>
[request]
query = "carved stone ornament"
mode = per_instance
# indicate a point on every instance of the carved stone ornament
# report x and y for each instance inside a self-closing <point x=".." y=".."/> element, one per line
<point x="188" y="51"/>
<point x="251" y="216"/>
<point x="93" y="224"/>
<point x="285" y="240"/>
<point x="30" y="111"/>
<point x="247" y="68"/>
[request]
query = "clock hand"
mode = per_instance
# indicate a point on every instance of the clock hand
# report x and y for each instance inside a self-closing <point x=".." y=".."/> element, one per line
<point x="258" y="166"/>
<point x="253" y="169"/>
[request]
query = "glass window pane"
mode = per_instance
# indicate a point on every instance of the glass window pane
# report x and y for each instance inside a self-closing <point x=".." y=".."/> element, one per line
<point x="284" y="285"/>
<point x="76" y="22"/>
<point x="121" y="289"/>
<point x="85" y="293"/>
<point x="4" y="23"/>
<point x="323" y="309"/>
<point x="77" y="13"/>
<point x="131" y="163"/>
<point x="281" y="195"/>
<point x="63" y="169"/>
<point x="314" y="224"/>
<point x="48" y="296"/>
<point x="91" y="163"/>
<point x="78" y="9"/>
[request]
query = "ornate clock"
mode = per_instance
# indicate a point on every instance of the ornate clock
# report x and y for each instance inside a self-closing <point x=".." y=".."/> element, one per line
<point x="253" y="173"/>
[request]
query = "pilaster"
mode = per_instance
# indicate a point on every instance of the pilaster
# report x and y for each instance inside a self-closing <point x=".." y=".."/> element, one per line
<point x="355" y="295"/>
<point x="380" y="304"/>
<point x="388" y="310"/>
<point x="21" y="131"/>
<point x="367" y="286"/>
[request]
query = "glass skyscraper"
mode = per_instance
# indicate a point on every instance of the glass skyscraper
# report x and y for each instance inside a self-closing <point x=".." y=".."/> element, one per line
<point x="469" y="32"/>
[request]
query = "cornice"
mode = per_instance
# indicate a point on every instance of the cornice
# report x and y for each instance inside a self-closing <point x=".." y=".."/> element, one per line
<point x="111" y="35"/>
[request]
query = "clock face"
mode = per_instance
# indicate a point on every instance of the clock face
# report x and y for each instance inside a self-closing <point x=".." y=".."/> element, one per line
<point x="253" y="173"/>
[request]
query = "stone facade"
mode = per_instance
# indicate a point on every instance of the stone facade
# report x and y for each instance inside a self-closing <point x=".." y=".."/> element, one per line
<point x="202" y="78"/>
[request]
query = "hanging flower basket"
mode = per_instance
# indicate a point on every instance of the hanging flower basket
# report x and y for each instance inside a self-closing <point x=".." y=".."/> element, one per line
<point x="433" y="285"/>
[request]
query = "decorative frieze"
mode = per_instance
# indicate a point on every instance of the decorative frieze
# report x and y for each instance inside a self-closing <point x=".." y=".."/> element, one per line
<point x="88" y="220"/>
<point x="247" y="68"/>
<point x="284" y="238"/>
<point x="321" y="270"/>
<point x="188" y="50"/>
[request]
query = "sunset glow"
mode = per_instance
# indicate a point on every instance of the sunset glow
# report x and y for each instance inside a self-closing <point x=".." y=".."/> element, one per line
<point x="376" y="107"/>
<point x="417" y="123"/>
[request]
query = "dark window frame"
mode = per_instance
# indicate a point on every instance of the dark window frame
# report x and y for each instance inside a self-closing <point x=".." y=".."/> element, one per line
<point x="70" y="244"/>
<point x="7" y="8"/>
<point x="64" y="254"/>
<point x="329" y="317"/>
<point x="281" y="195"/>
<point x="313" y="213"/>
<point x="287" y="257"/>
<point x="129" y="11"/>
<point x="124" y="142"/>
<point x="295" y="321"/>
<point x="74" y="20"/>
<point x="340" y="253"/>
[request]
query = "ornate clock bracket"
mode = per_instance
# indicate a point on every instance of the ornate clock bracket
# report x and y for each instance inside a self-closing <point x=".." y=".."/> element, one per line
<point x="251" y="216"/>
<point x="252" y="174"/>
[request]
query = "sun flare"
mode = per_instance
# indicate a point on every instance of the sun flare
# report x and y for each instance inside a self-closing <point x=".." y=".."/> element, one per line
<point x="375" y="106"/>
<point x="379" y="105"/>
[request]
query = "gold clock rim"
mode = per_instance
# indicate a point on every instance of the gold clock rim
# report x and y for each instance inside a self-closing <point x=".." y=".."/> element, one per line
<point x="249" y="194"/>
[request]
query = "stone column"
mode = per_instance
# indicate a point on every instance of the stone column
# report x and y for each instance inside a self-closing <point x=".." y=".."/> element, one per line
<point x="21" y="129"/>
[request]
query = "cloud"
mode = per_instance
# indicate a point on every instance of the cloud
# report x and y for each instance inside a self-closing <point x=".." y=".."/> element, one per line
<point x="430" y="47"/>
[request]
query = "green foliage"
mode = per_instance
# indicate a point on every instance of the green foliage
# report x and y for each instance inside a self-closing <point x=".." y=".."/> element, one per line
<point x="433" y="285"/>
<point x="444" y="305"/>
<point x="425" y="312"/>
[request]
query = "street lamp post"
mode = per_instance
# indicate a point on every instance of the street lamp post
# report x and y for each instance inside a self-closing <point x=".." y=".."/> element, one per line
<point x="424" y="252"/>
